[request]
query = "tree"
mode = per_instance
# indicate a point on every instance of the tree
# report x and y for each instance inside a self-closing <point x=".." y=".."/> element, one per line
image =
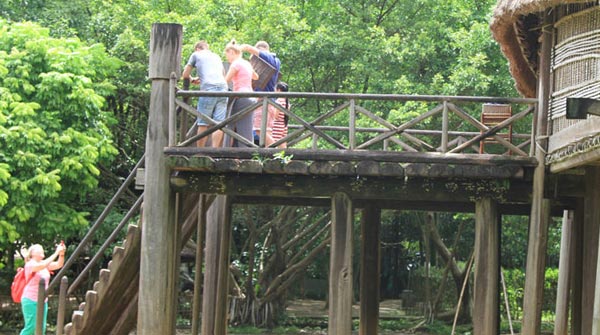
<point x="53" y="133"/>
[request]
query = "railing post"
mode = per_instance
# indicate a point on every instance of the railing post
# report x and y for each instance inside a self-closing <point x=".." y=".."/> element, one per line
<point x="445" y="128"/>
<point x="315" y="139"/>
<point x="352" y="125"/>
<point x="172" y="111"/>
<point x="263" y="122"/>
<point x="39" y="312"/>
<point x="183" y="117"/>
<point x="62" y="305"/>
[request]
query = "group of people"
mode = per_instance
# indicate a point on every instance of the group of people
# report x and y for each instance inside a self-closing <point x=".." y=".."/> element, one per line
<point x="211" y="76"/>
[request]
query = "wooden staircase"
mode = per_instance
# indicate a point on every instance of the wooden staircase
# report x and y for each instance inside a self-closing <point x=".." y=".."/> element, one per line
<point x="111" y="307"/>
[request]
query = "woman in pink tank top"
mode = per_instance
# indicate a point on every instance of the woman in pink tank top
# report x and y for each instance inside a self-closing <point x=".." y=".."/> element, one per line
<point x="241" y="74"/>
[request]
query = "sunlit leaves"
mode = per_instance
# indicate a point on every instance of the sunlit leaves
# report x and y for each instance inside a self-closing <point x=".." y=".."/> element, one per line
<point x="53" y="130"/>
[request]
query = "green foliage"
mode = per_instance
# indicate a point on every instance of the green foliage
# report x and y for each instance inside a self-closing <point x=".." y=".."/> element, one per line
<point x="53" y="131"/>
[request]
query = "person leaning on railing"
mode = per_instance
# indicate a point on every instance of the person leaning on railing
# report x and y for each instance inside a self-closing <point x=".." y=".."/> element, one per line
<point x="262" y="50"/>
<point x="211" y="77"/>
<point x="39" y="267"/>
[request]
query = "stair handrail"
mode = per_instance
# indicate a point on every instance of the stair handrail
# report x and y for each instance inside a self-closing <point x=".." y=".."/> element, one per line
<point x="113" y="236"/>
<point x="88" y="236"/>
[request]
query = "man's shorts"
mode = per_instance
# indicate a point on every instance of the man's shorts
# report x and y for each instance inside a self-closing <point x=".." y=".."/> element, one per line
<point x="213" y="107"/>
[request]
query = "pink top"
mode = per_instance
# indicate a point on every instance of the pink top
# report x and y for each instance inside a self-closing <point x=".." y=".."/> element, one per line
<point x="242" y="80"/>
<point x="31" y="289"/>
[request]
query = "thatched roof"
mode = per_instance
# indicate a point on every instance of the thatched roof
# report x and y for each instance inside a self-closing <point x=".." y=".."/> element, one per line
<point x="516" y="26"/>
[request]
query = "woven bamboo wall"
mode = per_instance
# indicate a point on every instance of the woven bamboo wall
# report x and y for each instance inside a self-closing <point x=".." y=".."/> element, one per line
<point x="575" y="63"/>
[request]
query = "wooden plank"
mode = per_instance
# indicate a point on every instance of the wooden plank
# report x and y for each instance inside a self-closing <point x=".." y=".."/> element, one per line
<point x="487" y="264"/>
<point x="577" y="160"/>
<point x="157" y="301"/>
<point x="370" y="269"/>
<point x="573" y="134"/>
<point x="567" y="248"/>
<point x="340" y="273"/>
<point x="357" y="155"/>
<point x="211" y="268"/>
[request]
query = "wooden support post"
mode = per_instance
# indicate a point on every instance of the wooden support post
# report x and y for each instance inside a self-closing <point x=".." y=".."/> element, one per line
<point x="540" y="207"/>
<point x="224" y="211"/>
<point x="592" y="220"/>
<point x="577" y="269"/>
<point x="561" y="322"/>
<point x="62" y="305"/>
<point x="40" y="308"/>
<point x="486" y="319"/>
<point x="159" y="242"/>
<point x="370" y="266"/>
<point x="340" y="269"/>
<point x="211" y="296"/>
<point x="200" y="229"/>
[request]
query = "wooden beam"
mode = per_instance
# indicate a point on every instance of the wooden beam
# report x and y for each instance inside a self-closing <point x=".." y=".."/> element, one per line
<point x="567" y="249"/>
<point x="540" y="207"/>
<point x="223" y="205"/>
<point x="358" y="155"/>
<point x="340" y="273"/>
<point x="370" y="268"/>
<point x="486" y="319"/>
<point x="158" y="275"/>
<point x="377" y="188"/>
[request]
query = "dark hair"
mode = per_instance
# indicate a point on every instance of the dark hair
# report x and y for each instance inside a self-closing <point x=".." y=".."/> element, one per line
<point x="283" y="87"/>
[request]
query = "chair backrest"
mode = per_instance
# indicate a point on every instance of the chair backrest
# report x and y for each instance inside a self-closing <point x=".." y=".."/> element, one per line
<point x="492" y="115"/>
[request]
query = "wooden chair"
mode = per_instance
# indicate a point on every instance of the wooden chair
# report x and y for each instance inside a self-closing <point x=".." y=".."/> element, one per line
<point x="492" y="115"/>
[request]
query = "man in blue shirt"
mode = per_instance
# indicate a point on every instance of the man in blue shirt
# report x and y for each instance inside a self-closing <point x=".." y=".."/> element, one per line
<point x="261" y="50"/>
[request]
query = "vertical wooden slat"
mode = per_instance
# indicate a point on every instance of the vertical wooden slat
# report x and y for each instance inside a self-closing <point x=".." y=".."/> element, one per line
<point x="561" y="322"/>
<point x="487" y="262"/>
<point x="370" y="266"/>
<point x="352" y="125"/>
<point x="211" y="269"/>
<point x="540" y="207"/>
<point x="445" y="127"/>
<point x="263" y="122"/>
<point x="158" y="272"/>
<point x="172" y="111"/>
<point x="340" y="273"/>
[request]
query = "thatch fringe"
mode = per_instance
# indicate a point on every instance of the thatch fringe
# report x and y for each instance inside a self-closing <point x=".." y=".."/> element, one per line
<point x="512" y="26"/>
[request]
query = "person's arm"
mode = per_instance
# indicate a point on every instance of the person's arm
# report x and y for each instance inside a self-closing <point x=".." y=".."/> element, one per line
<point x="254" y="75"/>
<point x="231" y="73"/>
<point x="187" y="71"/>
<point x="61" y="259"/>
<point x="250" y="49"/>
<point x="46" y="262"/>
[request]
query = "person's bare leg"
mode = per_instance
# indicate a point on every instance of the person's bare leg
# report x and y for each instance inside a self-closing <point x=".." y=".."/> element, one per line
<point x="202" y="141"/>
<point x="217" y="139"/>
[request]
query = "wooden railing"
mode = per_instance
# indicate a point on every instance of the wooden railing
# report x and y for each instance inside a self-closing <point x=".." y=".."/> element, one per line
<point x="445" y="124"/>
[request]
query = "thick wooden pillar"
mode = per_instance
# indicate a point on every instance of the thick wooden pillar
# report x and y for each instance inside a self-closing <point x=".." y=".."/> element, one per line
<point x="370" y="269"/>
<point x="214" y="297"/>
<point x="486" y="318"/>
<point x="158" y="260"/>
<point x="591" y="219"/>
<point x="577" y="270"/>
<point x="567" y="250"/>
<point x="540" y="207"/>
<point x="340" y="269"/>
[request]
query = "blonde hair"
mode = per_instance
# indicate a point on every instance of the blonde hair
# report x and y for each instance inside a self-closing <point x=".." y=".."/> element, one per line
<point x="233" y="46"/>
<point x="30" y="251"/>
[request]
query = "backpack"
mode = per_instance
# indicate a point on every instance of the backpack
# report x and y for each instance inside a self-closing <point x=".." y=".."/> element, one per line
<point x="18" y="285"/>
